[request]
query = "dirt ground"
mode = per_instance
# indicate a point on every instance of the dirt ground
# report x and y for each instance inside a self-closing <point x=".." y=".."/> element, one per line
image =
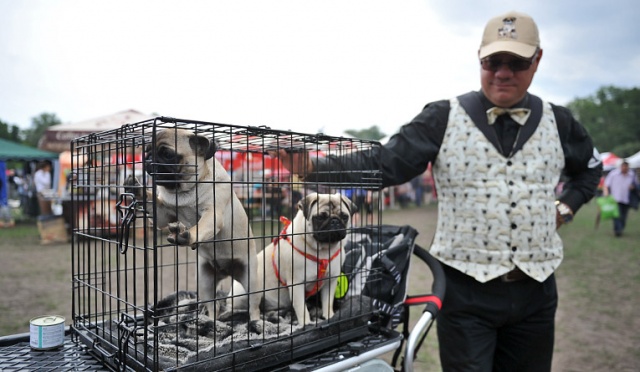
<point x="593" y="333"/>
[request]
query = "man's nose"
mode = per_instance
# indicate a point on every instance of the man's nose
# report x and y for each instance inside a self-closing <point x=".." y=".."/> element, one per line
<point x="503" y="69"/>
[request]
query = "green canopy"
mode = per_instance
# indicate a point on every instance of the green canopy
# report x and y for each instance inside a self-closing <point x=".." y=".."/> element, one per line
<point x="15" y="151"/>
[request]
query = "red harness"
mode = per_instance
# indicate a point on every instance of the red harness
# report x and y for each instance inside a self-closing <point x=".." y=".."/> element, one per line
<point x="323" y="264"/>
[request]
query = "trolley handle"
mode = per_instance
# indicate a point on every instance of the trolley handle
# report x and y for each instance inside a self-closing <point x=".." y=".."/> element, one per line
<point x="433" y="305"/>
<point x="433" y="301"/>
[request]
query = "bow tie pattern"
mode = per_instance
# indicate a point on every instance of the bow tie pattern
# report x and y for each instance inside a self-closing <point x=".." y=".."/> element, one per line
<point x="519" y="115"/>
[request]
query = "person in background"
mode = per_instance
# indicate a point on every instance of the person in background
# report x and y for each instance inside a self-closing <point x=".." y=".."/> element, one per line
<point x="404" y="194"/>
<point x="429" y="186"/>
<point x="621" y="183"/>
<point x="6" y="220"/>
<point x="42" y="181"/>
<point x="497" y="155"/>
<point x="418" y="190"/>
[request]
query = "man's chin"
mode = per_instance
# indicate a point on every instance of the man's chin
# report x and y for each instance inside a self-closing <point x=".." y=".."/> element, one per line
<point x="503" y="96"/>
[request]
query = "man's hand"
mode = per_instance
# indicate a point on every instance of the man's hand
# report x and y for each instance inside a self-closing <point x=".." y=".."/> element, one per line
<point x="564" y="214"/>
<point x="559" y="220"/>
<point x="295" y="162"/>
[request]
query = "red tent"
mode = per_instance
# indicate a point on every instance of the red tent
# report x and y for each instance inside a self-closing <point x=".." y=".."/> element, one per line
<point x="250" y="162"/>
<point x="610" y="161"/>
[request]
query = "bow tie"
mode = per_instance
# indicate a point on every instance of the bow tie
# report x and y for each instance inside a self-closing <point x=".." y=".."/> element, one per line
<point x="519" y="115"/>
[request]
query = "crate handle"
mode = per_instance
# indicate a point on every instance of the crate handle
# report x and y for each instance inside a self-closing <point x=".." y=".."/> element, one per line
<point x="126" y="207"/>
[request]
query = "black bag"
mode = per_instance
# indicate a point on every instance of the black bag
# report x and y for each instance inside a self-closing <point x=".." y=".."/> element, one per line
<point x="376" y="264"/>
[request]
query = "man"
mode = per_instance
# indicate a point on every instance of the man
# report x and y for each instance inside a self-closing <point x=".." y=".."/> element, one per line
<point x="42" y="181"/>
<point x="620" y="183"/>
<point x="495" y="173"/>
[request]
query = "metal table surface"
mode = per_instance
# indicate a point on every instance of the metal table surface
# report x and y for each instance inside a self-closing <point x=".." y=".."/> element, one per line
<point x="16" y="355"/>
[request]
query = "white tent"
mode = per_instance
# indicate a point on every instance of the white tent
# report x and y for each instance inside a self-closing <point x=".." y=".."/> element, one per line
<point x="634" y="160"/>
<point x="58" y="138"/>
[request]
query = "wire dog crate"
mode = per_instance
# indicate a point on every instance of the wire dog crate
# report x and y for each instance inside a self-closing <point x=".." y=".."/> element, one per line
<point x="150" y="212"/>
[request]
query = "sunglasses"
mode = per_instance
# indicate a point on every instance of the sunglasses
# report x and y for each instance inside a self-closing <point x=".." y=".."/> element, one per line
<point x="516" y="64"/>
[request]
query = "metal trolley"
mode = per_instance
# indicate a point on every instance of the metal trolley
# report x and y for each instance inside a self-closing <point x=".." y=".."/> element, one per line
<point x="124" y="269"/>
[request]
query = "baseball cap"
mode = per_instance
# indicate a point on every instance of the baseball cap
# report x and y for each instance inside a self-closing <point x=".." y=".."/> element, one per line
<point x="513" y="32"/>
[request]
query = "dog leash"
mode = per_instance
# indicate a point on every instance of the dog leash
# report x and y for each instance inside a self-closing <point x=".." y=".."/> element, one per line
<point x="323" y="263"/>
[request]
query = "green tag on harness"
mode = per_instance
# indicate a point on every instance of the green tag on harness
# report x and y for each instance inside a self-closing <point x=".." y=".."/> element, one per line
<point x="343" y="286"/>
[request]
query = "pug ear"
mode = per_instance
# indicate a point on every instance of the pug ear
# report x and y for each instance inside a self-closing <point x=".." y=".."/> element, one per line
<point x="202" y="146"/>
<point x="351" y="206"/>
<point x="213" y="147"/>
<point x="306" y="203"/>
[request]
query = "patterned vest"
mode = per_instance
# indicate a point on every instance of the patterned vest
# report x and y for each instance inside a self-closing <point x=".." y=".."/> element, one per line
<point x="495" y="213"/>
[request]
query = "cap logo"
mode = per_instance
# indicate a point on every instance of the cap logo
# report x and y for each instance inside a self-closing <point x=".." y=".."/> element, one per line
<point x="508" y="29"/>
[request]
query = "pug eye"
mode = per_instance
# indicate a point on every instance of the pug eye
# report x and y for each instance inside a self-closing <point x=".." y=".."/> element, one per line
<point x="321" y="217"/>
<point x="166" y="153"/>
<point x="344" y="217"/>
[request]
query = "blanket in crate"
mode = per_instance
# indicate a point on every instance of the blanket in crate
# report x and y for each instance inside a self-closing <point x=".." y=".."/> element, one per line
<point x="189" y="340"/>
<point x="185" y="338"/>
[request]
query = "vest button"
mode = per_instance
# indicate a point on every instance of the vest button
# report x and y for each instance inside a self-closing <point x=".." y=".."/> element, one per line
<point x="509" y="163"/>
<point x="514" y="226"/>
<point x="513" y="205"/>
<point x="514" y="249"/>
<point x="510" y="183"/>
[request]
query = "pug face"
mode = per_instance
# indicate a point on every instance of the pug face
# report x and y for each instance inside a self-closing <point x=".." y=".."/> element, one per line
<point x="328" y="216"/>
<point x="178" y="157"/>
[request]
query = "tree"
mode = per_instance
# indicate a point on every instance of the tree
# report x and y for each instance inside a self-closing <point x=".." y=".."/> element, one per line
<point x="39" y="125"/>
<point x="9" y="132"/>
<point x="612" y="117"/>
<point x="372" y="133"/>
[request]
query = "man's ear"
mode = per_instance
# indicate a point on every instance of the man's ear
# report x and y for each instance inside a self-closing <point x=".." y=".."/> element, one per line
<point x="202" y="146"/>
<point x="306" y="203"/>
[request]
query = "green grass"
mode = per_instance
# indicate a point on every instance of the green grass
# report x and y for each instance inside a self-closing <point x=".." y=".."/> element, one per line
<point x="594" y="257"/>
<point x="20" y="231"/>
<point x="598" y="286"/>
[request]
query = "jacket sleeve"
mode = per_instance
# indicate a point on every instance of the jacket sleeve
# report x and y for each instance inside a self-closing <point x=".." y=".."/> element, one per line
<point x="583" y="166"/>
<point x="404" y="157"/>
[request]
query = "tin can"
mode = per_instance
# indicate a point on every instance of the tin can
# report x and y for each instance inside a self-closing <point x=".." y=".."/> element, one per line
<point x="46" y="332"/>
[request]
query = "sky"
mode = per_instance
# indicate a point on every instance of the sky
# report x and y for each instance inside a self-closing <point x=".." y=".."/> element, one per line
<point x="301" y="65"/>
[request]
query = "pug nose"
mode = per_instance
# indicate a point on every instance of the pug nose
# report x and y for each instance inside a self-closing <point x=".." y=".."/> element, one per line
<point x="336" y="223"/>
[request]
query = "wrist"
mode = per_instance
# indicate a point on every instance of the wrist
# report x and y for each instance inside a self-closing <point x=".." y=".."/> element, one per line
<point x="564" y="211"/>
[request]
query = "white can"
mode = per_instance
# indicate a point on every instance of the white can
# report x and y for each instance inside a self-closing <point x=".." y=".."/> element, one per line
<point x="46" y="332"/>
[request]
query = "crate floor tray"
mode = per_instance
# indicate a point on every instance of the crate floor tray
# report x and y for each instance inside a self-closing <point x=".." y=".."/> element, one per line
<point x="190" y="341"/>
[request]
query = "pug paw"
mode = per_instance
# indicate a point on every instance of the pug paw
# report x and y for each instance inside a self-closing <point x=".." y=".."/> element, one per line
<point x="132" y="186"/>
<point x="131" y="180"/>
<point x="255" y="326"/>
<point x="178" y="234"/>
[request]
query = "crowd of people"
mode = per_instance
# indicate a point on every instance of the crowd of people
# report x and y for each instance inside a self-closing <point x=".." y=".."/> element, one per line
<point x="29" y="187"/>
<point x="420" y="190"/>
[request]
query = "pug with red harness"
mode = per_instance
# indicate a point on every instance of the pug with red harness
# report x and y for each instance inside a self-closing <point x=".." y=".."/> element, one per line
<point x="306" y="258"/>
